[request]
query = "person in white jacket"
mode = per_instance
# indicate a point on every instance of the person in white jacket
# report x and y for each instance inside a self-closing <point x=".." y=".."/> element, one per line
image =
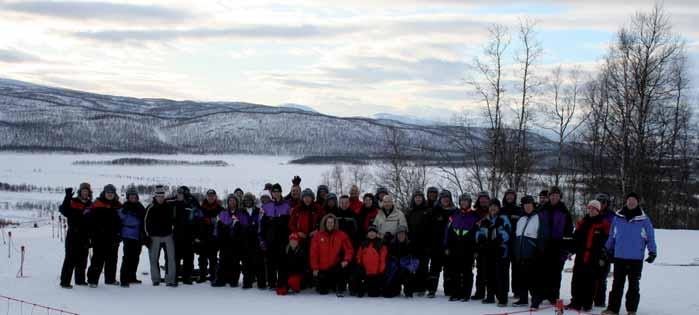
<point x="389" y="219"/>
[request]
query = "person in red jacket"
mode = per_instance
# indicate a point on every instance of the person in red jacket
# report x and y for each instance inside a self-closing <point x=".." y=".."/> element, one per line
<point x="590" y="235"/>
<point x="371" y="262"/>
<point x="355" y="203"/>
<point x="367" y="213"/>
<point x="331" y="253"/>
<point x="305" y="217"/>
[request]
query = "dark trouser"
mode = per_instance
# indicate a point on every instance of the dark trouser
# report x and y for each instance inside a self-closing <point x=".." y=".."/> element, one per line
<point x="208" y="260"/>
<point x="272" y="261"/>
<point x="601" y="286"/>
<point x="184" y="257"/>
<point x="481" y="271"/>
<point x="362" y="284"/>
<point x="129" y="261"/>
<point x="421" y="275"/>
<point x="497" y="276"/>
<point x="551" y="270"/>
<point x="403" y="279"/>
<point x="228" y="268"/>
<point x="623" y="269"/>
<point x="529" y="282"/>
<point x="253" y="269"/>
<point x="460" y="271"/>
<point x="516" y="282"/>
<point x="105" y="253"/>
<point x="75" y="259"/>
<point x="583" y="285"/>
<point x="437" y="262"/>
<point x="334" y="278"/>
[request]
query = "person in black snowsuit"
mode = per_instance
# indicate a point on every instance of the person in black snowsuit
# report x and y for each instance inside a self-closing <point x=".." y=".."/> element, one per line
<point x="275" y="233"/>
<point x="247" y="238"/>
<point x="347" y="220"/>
<point x="184" y="233"/>
<point x="493" y="238"/>
<point x="228" y="268"/>
<point x="481" y="206"/>
<point x="105" y="227"/>
<point x="77" y="243"/>
<point x="558" y="221"/>
<point x="419" y="219"/>
<point x="440" y="218"/>
<point x="132" y="236"/>
<point x="205" y="243"/>
<point x="513" y="213"/>
<point x="402" y="266"/>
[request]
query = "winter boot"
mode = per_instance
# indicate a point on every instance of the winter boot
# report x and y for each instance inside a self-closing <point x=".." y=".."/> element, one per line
<point x="66" y="286"/>
<point x="520" y="303"/>
<point x="431" y="295"/>
<point x="609" y="312"/>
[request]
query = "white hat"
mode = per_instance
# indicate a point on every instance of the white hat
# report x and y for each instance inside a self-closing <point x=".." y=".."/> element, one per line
<point x="595" y="204"/>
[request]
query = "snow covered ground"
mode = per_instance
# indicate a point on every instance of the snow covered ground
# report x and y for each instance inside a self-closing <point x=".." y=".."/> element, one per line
<point x="664" y="289"/>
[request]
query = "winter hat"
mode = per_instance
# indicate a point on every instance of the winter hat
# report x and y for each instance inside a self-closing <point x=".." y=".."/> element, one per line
<point x="294" y="237"/>
<point x="265" y="193"/>
<point x="372" y="227"/>
<point x="402" y="229"/>
<point x="594" y="204"/>
<point x="331" y="196"/>
<point x="382" y="190"/>
<point x="432" y="189"/>
<point x="308" y="193"/>
<point x="495" y="202"/>
<point x="109" y="189"/>
<point x="527" y="199"/>
<point x="418" y="192"/>
<point x="323" y="188"/>
<point x="276" y="187"/>
<point x="555" y="190"/>
<point x="445" y="193"/>
<point x="211" y="192"/>
<point x="233" y="196"/>
<point x="483" y="194"/>
<point x="237" y="190"/>
<point x="544" y="193"/>
<point x="465" y="197"/>
<point x="183" y="190"/>
<point x="602" y="198"/>
<point x="249" y="197"/>
<point x="632" y="195"/>
<point x="85" y="186"/>
<point x="131" y="191"/>
<point x="160" y="190"/>
<point x="268" y="187"/>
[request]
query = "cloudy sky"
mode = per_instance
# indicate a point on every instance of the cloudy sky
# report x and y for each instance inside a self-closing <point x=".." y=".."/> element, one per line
<point x="357" y="57"/>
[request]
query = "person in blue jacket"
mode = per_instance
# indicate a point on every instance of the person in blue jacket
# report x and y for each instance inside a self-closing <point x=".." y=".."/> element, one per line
<point x="631" y="233"/>
<point x="493" y="238"/>
<point x="132" y="235"/>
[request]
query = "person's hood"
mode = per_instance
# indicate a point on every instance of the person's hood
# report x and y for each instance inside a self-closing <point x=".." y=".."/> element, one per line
<point x="325" y="218"/>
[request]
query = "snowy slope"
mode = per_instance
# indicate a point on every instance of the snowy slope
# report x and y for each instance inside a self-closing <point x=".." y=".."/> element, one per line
<point x="34" y="117"/>
<point x="664" y="289"/>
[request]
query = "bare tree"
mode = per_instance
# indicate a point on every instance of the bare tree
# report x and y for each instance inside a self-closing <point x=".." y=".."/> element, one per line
<point x="462" y="168"/>
<point x="562" y="114"/>
<point x="529" y="54"/>
<point x="486" y="79"/>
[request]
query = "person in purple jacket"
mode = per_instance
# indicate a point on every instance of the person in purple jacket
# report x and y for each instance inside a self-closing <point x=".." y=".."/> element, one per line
<point x="249" y="245"/>
<point x="556" y="218"/>
<point x="275" y="233"/>
<point x="132" y="236"/>
<point x="631" y="232"/>
<point x="460" y="243"/>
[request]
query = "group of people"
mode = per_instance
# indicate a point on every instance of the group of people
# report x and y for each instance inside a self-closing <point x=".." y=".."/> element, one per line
<point x="365" y="245"/>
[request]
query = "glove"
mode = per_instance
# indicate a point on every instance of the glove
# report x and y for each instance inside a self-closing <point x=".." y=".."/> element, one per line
<point x="69" y="192"/>
<point x="651" y="258"/>
<point x="296" y="180"/>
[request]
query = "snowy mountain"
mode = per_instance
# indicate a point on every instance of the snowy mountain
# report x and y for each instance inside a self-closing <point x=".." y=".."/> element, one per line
<point x="403" y="119"/>
<point x="34" y="117"/>
<point x="299" y="106"/>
